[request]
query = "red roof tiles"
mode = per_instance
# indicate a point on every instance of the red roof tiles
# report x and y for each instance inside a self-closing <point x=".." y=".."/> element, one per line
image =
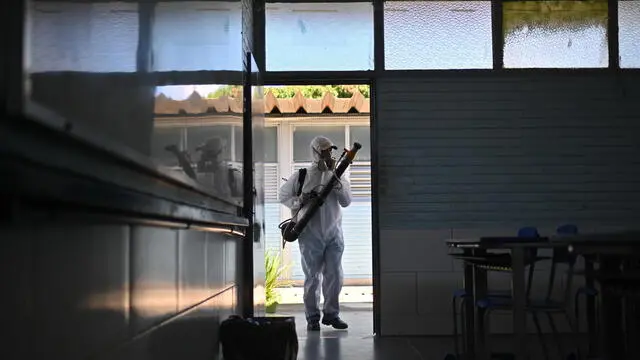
<point x="328" y="104"/>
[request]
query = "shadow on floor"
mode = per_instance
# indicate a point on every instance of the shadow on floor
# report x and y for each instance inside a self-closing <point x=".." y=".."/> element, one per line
<point x="358" y="342"/>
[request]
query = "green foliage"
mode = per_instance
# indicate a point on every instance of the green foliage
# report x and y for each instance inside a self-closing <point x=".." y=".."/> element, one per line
<point x="554" y="14"/>
<point x="286" y="92"/>
<point x="318" y="91"/>
<point x="273" y="272"/>
<point x="233" y="91"/>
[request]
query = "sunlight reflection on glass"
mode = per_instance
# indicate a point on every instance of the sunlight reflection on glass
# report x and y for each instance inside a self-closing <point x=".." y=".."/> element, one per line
<point x="197" y="35"/>
<point x="74" y="36"/>
<point x="200" y="136"/>
<point x="319" y="36"/>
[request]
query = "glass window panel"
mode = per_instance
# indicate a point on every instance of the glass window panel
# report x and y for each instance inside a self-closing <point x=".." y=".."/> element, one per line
<point x="437" y="35"/>
<point x="164" y="137"/>
<point x="238" y="143"/>
<point x="629" y="32"/>
<point x="319" y="36"/>
<point x="211" y="135"/>
<point x="303" y="135"/>
<point x="555" y="34"/>
<point x="271" y="144"/>
<point x="197" y="137"/>
<point x="116" y="109"/>
<point x="197" y="35"/>
<point x="361" y="135"/>
<point x="76" y="36"/>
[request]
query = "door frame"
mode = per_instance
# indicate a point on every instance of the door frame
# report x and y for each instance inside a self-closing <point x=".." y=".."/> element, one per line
<point x="272" y="79"/>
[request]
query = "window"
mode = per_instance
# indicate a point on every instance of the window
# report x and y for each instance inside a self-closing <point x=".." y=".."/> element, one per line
<point x="162" y="138"/>
<point x="319" y="36"/>
<point x="303" y="135"/>
<point x="437" y="35"/>
<point x="197" y="134"/>
<point x="72" y="36"/>
<point x="361" y="135"/>
<point x="555" y="34"/>
<point x="197" y="35"/>
<point x="629" y="32"/>
<point x="271" y="144"/>
<point x="238" y="138"/>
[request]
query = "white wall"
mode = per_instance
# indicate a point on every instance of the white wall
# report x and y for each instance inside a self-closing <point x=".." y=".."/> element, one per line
<point x="484" y="154"/>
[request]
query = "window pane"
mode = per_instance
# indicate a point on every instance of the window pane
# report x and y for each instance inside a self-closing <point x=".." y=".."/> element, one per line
<point x="437" y="35"/>
<point x="197" y="35"/>
<point x="555" y="34"/>
<point x="319" y="36"/>
<point x="163" y="137"/>
<point x="302" y="136"/>
<point x="271" y="144"/>
<point x="629" y="30"/>
<point x="197" y="134"/>
<point x="238" y="144"/>
<point x="74" y="36"/>
<point x="361" y="135"/>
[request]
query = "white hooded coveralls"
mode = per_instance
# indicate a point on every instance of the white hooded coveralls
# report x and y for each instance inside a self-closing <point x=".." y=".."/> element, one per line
<point x="321" y="242"/>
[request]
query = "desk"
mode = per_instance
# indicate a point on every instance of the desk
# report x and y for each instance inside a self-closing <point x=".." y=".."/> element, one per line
<point x="475" y="282"/>
<point x="611" y="251"/>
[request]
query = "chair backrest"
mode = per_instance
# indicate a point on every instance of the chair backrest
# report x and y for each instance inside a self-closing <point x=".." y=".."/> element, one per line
<point x="530" y="232"/>
<point x="567" y="229"/>
<point x="561" y="255"/>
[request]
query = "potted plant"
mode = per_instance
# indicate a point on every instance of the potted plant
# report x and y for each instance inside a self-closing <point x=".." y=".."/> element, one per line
<point x="273" y="271"/>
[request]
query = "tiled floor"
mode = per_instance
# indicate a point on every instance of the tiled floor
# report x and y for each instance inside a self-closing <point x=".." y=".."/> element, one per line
<point x="359" y="343"/>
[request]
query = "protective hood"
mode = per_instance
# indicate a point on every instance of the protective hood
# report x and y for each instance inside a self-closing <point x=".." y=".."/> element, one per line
<point x="214" y="144"/>
<point x="319" y="144"/>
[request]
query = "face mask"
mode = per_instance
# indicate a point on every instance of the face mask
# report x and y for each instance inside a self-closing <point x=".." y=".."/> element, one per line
<point x="326" y="162"/>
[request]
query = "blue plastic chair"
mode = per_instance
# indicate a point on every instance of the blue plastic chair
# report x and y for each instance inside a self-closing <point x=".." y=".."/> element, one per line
<point x="586" y="291"/>
<point x="545" y="304"/>
<point x="504" y="303"/>
<point x="462" y="295"/>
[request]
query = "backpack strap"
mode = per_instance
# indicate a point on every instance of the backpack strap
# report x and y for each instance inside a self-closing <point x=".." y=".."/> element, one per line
<point x="302" y="173"/>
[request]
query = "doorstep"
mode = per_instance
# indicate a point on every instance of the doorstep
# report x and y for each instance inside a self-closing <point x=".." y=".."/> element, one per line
<point x="349" y="294"/>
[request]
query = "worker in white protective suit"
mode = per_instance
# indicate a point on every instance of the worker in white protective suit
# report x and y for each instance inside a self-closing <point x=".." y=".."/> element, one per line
<point x="321" y="242"/>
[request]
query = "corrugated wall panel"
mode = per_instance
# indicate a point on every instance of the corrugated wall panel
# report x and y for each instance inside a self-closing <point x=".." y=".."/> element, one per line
<point x="272" y="184"/>
<point x="272" y="220"/>
<point x="508" y="149"/>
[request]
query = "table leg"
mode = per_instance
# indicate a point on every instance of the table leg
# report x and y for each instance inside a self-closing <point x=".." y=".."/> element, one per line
<point x="519" y="303"/>
<point x="479" y="292"/>
<point x="611" y="313"/>
<point x="591" y="307"/>
<point x="631" y="318"/>
<point x="469" y="333"/>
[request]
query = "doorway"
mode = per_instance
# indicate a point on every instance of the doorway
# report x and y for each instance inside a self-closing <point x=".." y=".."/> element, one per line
<point x="294" y="115"/>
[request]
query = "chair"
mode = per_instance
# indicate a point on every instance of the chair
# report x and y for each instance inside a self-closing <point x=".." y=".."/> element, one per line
<point x="501" y="262"/>
<point x="568" y="230"/>
<point x="543" y="305"/>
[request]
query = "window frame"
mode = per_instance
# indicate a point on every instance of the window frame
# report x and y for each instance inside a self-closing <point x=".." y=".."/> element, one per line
<point x="359" y="77"/>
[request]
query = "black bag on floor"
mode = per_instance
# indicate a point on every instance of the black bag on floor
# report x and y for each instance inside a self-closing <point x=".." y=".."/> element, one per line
<point x="259" y="338"/>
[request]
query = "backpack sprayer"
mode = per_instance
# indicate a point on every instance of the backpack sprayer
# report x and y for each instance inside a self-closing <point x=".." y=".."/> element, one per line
<point x="291" y="229"/>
